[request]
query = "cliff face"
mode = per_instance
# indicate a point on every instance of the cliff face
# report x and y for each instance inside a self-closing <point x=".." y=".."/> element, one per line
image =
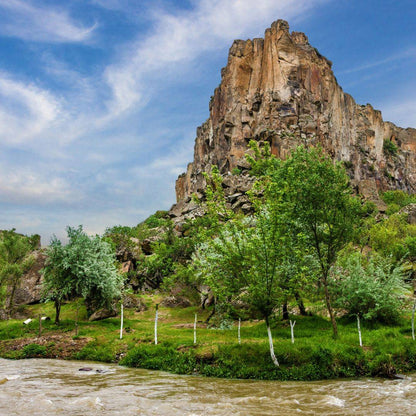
<point x="282" y="90"/>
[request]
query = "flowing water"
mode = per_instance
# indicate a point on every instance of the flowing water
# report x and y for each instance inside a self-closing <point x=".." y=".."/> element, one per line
<point x="51" y="387"/>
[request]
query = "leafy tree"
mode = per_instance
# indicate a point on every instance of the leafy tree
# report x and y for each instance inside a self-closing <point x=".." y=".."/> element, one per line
<point x="318" y="204"/>
<point x="84" y="267"/>
<point x="15" y="260"/>
<point x="251" y="259"/>
<point x="371" y="288"/>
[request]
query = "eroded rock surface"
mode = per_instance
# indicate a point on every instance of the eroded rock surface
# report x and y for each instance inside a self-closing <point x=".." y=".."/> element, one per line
<point x="281" y="89"/>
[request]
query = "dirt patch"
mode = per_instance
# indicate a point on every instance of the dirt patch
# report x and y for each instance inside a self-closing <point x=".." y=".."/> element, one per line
<point x="198" y="325"/>
<point x="57" y="346"/>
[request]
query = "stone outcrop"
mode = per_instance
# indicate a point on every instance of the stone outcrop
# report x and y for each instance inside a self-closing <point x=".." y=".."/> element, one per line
<point x="29" y="290"/>
<point x="281" y="89"/>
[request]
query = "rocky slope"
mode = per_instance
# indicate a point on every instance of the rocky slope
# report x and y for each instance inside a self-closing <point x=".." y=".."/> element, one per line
<point x="281" y="89"/>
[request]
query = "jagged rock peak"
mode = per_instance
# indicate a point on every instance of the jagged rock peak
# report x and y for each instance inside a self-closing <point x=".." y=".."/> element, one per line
<point x="281" y="89"/>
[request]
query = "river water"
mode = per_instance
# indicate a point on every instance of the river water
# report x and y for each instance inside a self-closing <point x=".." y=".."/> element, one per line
<point x="52" y="387"/>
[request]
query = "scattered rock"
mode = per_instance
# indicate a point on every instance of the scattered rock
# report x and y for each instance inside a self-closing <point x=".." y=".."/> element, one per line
<point x="410" y="210"/>
<point x="133" y="301"/>
<point x="102" y="314"/>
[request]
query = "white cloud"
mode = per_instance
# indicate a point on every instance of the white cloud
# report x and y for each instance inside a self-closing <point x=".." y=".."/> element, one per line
<point x="25" y="111"/>
<point x="211" y="25"/>
<point x="24" y="20"/>
<point x="402" y="112"/>
<point x="25" y="186"/>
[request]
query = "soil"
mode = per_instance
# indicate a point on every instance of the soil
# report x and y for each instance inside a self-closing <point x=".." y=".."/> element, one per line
<point x="57" y="346"/>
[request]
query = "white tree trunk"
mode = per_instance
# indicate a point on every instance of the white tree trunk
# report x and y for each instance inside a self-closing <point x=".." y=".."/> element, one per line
<point x="292" y="331"/>
<point x="121" y="323"/>
<point x="195" y="329"/>
<point x="156" y="324"/>
<point x="239" y="330"/>
<point x="274" y="359"/>
<point x="359" y="330"/>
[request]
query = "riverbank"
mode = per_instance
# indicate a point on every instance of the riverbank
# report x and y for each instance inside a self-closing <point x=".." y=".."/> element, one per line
<point x="386" y="351"/>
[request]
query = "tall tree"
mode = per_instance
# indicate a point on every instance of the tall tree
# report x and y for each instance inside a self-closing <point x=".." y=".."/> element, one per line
<point x="317" y="201"/>
<point x="84" y="267"/>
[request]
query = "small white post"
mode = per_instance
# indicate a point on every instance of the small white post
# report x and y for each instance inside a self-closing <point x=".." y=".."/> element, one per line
<point x="359" y="330"/>
<point x="239" y="330"/>
<point x="292" y="331"/>
<point x="195" y="329"/>
<point x="121" y="324"/>
<point x="413" y="320"/>
<point x="156" y="324"/>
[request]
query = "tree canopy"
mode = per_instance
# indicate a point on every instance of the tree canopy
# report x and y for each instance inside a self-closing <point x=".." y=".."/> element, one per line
<point x="84" y="267"/>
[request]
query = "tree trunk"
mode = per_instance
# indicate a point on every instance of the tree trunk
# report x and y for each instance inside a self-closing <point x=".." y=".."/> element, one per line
<point x="121" y="321"/>
<point x="239" y="330"/>
<point x="359" y="330"/>
<point x="301" y="306"/>
<point x="329" y="307"/>
<point x="156" y="323"/>
<point x="57" y="311"/>
<point x="285" y="312"/>
<point x="195" y="329"/>
<point x="292" y="330"/>
<point x="269" y="333"/>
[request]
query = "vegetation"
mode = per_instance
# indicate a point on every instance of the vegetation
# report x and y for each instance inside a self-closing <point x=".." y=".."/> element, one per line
<point x="15" y="260"/>
<point x="84" y="267"/>
<point x="389" y="147"/>
<point x="388" y="349"/>
<point x="309" y="243"/>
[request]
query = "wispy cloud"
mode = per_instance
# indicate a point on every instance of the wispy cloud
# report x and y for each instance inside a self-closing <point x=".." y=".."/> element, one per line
<point x="37" y="23"/>
<point x="179" y="38"/>
<point x="25" y="111"/>
<point x="407" y="54"/>
<point x="26" y="186"/>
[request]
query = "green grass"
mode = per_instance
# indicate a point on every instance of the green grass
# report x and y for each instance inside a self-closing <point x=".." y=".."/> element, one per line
<point x="314" y="355"/>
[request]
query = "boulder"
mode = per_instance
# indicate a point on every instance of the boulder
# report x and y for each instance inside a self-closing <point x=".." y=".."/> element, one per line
<point x="101" y="314"/>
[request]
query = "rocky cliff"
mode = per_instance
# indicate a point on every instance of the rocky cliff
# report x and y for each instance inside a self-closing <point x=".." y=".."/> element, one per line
<point x="281" y="89"/>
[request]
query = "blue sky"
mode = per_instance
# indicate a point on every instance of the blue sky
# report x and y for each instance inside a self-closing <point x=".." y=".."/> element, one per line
<point x="100" y="99"/>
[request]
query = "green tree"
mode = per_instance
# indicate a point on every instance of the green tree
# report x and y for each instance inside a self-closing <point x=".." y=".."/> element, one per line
<point x="84" y="267"/>
<point x="372" y="288"/>
<point x="251" y="259"/>
<point x="15" y="260"/>
<point x="318" y="204"/>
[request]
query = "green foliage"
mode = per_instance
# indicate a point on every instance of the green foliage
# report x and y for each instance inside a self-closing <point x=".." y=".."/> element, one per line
<point x="394" y="237"/>
<point x="84" y="267"/>
<point x="397" y="197"/>
<point x="389" y="147"/>
<point x="318" y="205"/>
<point x="236" y="171"/>
<point x="15" y="260"/>
<point x="34" y="351"/>
<point x="369" y="287"/>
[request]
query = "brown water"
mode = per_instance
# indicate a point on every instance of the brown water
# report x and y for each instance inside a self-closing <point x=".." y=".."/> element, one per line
<point x="49" y="387"/>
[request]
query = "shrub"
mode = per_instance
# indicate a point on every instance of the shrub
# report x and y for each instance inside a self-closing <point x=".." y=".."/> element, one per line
<point x="389" y="147"/>
<point x="34" y="351"/>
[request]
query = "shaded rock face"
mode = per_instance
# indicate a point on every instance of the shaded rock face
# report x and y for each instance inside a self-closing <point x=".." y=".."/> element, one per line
<point x="281" y="89"/>
<point x="30" y="288"/>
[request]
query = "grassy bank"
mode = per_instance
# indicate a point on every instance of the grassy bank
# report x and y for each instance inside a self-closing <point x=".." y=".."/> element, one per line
<point x="387" y="350"/>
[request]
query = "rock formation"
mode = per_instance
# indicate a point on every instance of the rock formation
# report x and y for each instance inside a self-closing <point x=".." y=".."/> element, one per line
<point x="281" y="89"/>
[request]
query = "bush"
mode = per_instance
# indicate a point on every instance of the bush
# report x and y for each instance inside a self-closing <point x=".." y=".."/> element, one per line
<point x="34" y="351"/>
<point x="389" y="147"/>
<point x="370" y="288"/>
